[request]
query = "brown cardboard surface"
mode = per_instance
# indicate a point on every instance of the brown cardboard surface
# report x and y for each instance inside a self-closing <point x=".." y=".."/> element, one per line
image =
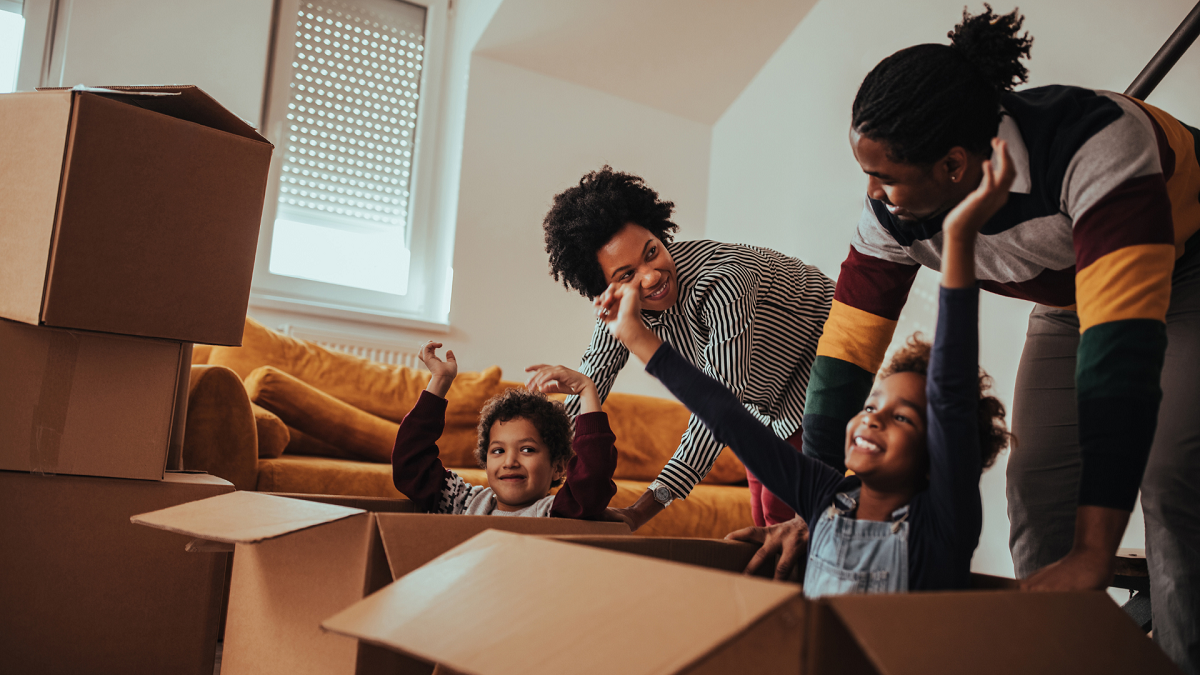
<point x="373" y="504"/>
<point x="85" y="591"/>
<point x="980" y="632"/>
<point x="535" y="605"/>
<point x="33" y="132"/>
<point x="413" y="539"/>
<point x="81" y="403"/>
<point x="718" y="554"/>
<point x="299" y="560"/>
<point x="244" y="517"/>
<point x="158" y="209"/>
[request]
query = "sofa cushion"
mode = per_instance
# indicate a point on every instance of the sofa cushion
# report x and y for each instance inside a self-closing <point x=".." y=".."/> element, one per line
<point x="383" y="390"/>
<point x="711" y="511"/>
<point x="273" y="434"/>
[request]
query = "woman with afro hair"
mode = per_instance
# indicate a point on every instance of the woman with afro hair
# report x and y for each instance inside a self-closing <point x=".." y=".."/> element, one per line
<point x="1100" y="231"/>
<point x="747" y="316"/>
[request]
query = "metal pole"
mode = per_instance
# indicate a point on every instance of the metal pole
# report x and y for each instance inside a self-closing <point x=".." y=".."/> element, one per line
<point x="1167" y="56"/>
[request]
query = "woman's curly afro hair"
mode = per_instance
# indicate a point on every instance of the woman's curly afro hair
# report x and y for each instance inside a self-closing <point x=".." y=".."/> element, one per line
<point x="586" y="216"/>
<point x="548" y="417"/>
<point x="994" y="436"/>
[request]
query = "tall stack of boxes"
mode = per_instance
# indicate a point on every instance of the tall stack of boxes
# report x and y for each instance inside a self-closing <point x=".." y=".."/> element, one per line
<point x="129" y="219"/>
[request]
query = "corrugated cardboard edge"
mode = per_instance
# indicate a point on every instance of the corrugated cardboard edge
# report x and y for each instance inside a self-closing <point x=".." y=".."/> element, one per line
<point x="243" y="517"/>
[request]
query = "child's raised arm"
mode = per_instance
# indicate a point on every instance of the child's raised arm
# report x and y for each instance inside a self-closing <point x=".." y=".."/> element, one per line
<point x="961" y="226"/>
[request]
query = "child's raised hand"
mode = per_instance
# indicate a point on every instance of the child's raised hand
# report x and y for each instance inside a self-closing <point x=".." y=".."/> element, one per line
<point x="562" y="380"/>
<point x="443" y="372"/>
<point x="969" y="216"/>
<point x="620" y="308"/>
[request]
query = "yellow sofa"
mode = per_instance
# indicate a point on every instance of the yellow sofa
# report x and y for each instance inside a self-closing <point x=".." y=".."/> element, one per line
<point x="284" y="415"/>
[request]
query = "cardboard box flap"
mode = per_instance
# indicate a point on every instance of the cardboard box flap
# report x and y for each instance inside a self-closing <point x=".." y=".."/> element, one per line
<point x="925" y="633"/>
<point x="181" y="101"/>
<point x="438" y="533"/>
<point x="506" y="604"/>
<point x="243" y="517"/>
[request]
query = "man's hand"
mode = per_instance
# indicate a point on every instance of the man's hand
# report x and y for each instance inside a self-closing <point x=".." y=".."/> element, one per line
<point x="562" y="380"/>
<point x="787" y="540"/>
<point x="443" y="372"/>
<point x="1090" y="564"/>
<point x="620" y="308"/>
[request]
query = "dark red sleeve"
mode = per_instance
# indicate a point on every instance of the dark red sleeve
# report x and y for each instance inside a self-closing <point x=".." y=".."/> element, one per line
<point x="589" y="484"/>
<point x="416" y="469"/>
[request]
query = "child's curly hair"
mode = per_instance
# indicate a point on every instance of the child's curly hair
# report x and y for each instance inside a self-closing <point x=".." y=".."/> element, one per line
<point x="994" y="436"/>
<point x="548" y="417"/>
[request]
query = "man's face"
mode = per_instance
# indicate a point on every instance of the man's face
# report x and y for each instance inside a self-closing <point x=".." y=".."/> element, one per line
<point x="911" y="192"/>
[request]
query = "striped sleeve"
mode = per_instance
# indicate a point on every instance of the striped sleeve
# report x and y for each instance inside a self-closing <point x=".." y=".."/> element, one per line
<point x="871" y="290"/>
<point x="1124" y="240"/>
<point x="604" y="358"/>
<point x="726" y="298"/>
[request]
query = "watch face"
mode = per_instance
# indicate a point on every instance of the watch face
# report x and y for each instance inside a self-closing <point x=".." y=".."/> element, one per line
<point x="662" y="494"/>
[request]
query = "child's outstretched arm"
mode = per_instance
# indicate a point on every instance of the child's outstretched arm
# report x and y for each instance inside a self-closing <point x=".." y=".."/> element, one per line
<point x="588" y="486"/>
<point x="417" y="471"/>
<point x="952" y="383"/>
<point x="802" y="482"/>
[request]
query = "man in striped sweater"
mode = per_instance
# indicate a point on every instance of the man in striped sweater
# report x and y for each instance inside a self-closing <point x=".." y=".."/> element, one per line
<point x="1099" y="229"/>
<point x="747" y="316"/>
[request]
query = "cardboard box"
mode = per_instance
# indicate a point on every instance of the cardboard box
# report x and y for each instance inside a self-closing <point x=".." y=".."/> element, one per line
<point x="297" y="562"/>
<point x="633" y="614"/>
<point x="131" y="210"/>
<point x="88" y="404"/>
<point x="85" y="591"/>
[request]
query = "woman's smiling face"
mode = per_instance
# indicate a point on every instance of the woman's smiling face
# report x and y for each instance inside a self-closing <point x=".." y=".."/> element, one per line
<point x="635" y="256"/>
<point x="885" y="443"/>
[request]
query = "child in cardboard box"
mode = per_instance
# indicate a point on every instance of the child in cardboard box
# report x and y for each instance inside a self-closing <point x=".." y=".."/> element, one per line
<point x="910" y="516"/>
<point x="525" y="445"/>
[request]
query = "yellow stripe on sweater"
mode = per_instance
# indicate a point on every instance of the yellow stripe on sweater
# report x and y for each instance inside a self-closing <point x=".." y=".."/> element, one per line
<point x="856" y="336"/>
<point x="1184" y="186"/>
<point x="1129" y="283"/>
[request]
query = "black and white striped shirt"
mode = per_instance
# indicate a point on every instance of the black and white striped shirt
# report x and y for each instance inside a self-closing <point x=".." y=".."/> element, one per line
<point x="747" y="316"/>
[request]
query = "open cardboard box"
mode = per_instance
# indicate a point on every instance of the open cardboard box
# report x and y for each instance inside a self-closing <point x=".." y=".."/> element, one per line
<point x="297" y="562"/>
<point x="631" y="614"/>
<point x="93" y="404"/>
<point x="131" y="210"/>
<point x="85" y="591"/>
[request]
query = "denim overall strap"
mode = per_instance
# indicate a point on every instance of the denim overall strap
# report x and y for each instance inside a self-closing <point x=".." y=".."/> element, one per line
<point x="849" y="556"/>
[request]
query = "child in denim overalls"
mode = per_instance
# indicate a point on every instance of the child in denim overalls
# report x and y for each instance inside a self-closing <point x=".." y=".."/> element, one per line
<point x="910" y="516"/>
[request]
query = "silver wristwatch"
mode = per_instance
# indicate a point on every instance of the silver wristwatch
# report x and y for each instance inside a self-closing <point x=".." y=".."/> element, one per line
<point x="662" y="493"/>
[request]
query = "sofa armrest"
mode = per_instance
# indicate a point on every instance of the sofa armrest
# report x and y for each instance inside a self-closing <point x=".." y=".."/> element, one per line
<point x="221" y="437"/>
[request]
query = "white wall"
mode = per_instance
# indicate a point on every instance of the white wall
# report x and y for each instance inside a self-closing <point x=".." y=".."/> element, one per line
<point x="782" y="174"/>
<point x="528" y="137"/>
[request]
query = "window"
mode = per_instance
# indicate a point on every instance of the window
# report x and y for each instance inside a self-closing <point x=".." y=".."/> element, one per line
<point x="12" y="33"/>
<point x="348" y="230"/>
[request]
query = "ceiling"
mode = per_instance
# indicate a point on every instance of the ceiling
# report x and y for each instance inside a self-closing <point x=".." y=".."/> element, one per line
<point x="686" y="57"/>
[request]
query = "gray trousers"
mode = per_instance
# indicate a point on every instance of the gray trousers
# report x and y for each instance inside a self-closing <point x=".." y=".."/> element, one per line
<point x="1044" y="467"/>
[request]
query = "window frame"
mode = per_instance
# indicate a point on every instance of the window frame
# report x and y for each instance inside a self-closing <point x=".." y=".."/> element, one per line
<point x="426" y="305"/>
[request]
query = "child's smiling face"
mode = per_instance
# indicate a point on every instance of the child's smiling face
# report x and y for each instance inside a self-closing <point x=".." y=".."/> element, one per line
<point x="519" y="469"/>
<point x="885" y="443"/>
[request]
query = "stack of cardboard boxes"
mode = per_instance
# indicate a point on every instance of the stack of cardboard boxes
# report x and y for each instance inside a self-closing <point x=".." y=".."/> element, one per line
<point x="129" y="219"/>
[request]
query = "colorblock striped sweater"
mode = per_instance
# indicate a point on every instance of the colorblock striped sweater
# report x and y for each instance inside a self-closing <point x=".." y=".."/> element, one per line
<point x="1106" y="198"/>
<point x="748" y="317"/>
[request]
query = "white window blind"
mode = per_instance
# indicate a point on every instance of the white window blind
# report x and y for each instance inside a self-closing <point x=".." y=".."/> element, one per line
<point x="343" y="214"/>
<point x="12" y="33"/>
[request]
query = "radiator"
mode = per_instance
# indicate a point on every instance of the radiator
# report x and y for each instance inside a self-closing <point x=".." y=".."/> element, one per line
<point x="380" y="351"/>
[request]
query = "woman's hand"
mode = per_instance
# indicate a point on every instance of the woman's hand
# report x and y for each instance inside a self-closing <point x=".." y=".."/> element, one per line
<point x="562" y="380"/>
<point x="620" y="308"/>
<point x="443" y="372"/>
<point x="961" y="226"/>
<point x="787" y="540"/>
